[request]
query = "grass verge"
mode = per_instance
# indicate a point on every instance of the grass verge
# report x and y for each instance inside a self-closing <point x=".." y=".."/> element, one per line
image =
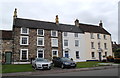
<point x="16" y="68"/>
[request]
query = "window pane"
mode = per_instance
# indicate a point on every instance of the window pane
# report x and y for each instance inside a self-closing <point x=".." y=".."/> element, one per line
<point x="77" y="54"/>
<point x="65" y="42"/>
<point x="40" y="53"/>
<point x="55" y="42"/>
<point x="24" y="30"/>
<point x="92" y="45"/>
<point x="93" y="55"/>
<point x="24" y="54"/>
<point x="65" y="33"/>
<point x="91" y="34"/>
<point x="24" y="40"/>
<point x="40" y="32"/>
<point x="76" y="34"/>
<point x="54" y="33"/>
<point x="41" y="41"/>
<point x="76" y="43"/>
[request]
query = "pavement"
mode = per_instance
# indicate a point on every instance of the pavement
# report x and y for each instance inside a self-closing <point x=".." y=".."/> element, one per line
<point x="59" y="70"/>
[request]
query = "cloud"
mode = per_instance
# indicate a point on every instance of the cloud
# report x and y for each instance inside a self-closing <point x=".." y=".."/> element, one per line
<point x="87" y="11"/>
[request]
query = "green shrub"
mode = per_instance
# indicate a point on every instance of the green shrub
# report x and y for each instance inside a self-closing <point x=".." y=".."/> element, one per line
<point x="117" y="60"/>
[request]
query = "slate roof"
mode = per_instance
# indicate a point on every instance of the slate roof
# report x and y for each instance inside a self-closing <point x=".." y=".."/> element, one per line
<point x="6" y="35"/>
<point x="20" y="22"/>
<point x="93" y="29"/>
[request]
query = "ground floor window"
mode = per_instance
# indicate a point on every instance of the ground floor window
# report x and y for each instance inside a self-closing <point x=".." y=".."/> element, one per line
<point x="105" y="54"/>
<point x="77" y="55"/>
<point x="54" y="53"/>
<point x="40" y="53"/>
<point x="24" y="54"/>
<point x="93" y="55"/>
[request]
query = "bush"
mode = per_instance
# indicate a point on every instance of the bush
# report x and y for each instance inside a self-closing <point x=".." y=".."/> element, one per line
<point x="117" y="60"/>
<point x="110" y="59"/>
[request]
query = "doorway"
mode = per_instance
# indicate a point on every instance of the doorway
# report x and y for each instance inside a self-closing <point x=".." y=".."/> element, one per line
<point x="8" y="57"/>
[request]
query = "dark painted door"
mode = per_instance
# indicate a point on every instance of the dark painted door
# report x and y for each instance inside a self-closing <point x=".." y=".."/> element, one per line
<point x="8" y="57"/>
<point x="99" y="56"/>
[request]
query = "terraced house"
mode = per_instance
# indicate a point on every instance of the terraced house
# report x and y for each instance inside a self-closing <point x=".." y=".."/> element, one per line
<point x="35" y="38"/>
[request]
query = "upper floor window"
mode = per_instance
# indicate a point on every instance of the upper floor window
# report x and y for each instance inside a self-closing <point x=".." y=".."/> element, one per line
<point x="104" y="36"/>
<point x="92" y="45"/>
<point x="24" y="30"/>
<point x="54" y="42"/>
<point x="76" y="43"/>
<point x="40" y="32"/>
<point x="76" y="34"/>
<point x="65" y="42"/>
<point x="54" y="33"/>
<point x="99" y="45"/>
<point x="105" y="45"/>
<point x="65" y="34"/>
<point x="40" y="41"/>
<point x="91" y="35"/>
<point x="98" y="36"/>
<point x="24" y="40"/>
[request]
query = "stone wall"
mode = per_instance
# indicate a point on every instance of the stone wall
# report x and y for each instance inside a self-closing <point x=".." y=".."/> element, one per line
<point x="32" y="47"/>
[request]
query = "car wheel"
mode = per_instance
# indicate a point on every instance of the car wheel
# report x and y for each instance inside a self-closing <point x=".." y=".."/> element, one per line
<point x="35" y="67"/>
<point x="62" y="66"/>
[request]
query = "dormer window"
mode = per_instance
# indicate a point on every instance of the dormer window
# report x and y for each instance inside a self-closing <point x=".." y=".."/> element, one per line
<point x="54" y="33"/>
<point x="24" y="30"/>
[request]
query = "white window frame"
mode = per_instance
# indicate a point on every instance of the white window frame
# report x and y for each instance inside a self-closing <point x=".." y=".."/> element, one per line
<point x="22" y="31"/>
<point x="21" y="54"/>
<point x="77" y="43"/>
<point x="38" y="50"/>
<point x="21" y="40"/>
<point x="105" y="37"/>
<point x="56" y="55"/>
<point x="56" y="33"/>
<point x="53" y="43"/>
<point x="38" y="39"/>
<point x="105" y="45"/>
<point x="92" y="45"/>
<point x="67" y="42"/>
<point x="40" y="34"/>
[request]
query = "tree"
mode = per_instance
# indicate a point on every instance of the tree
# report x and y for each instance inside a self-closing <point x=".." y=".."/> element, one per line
<point x="117" y="53"/>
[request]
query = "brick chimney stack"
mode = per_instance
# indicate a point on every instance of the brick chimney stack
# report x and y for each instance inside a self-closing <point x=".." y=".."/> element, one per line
<point x="15" y="13"/>
<point x="101" y="24"/>
<point x="77" y="22"/>
<point x="57" y="19"/>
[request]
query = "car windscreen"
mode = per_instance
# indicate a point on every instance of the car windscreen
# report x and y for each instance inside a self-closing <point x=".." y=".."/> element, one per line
<point x="41" y="60"/>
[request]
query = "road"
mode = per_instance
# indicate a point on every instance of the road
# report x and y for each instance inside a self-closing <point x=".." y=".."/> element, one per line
<point x="103" y="72"/>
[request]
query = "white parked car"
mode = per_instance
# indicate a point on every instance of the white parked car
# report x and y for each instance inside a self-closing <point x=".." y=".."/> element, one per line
<point x="41" y="63"/>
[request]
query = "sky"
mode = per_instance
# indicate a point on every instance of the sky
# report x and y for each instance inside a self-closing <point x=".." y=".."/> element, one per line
<point x="87" y="11"/>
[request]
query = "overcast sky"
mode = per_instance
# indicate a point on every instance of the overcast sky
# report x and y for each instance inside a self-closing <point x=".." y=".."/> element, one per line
<point x="87" y="11"/>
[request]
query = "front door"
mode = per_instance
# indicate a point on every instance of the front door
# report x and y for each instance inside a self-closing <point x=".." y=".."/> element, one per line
<point x="67" y="54"/>
<point x="99" y="56"/>
<point x="8" y="57"/>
